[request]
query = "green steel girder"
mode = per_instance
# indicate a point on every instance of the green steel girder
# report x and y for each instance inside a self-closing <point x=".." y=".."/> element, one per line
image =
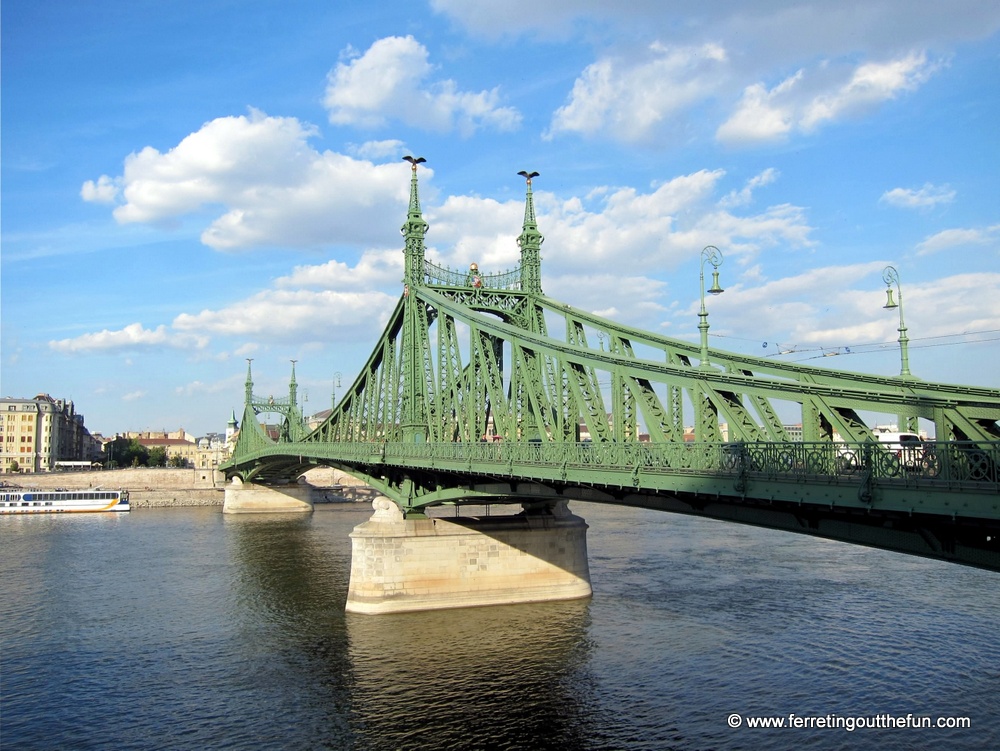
<point x="543" y="368"/>
<point x="381" y="400"/>
<point x="955" y="480"/>
<point x="837" y="397"/>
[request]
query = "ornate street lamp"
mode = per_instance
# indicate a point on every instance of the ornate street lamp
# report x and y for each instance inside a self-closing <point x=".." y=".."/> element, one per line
<point x="709" y="254"/>
<point x="890" y="276"/>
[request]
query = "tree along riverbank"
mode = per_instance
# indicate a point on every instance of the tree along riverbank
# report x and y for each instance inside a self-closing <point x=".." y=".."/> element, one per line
<point x="163" y="487"/>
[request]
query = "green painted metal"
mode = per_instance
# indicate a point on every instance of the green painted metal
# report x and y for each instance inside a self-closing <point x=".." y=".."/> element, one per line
<point x="890" y="276"/>
<point x="469" y="397"/>
<point x="292" y="426"/>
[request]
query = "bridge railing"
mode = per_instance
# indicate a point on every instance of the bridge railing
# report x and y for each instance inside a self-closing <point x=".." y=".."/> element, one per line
<point x="434" y="274"/>
<point x="931" y="463"/>
<point x="950" y="464"/>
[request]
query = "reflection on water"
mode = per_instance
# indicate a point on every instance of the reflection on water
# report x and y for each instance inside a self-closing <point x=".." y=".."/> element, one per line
<point x="472" y="678"/>
<point x="187" y="629"/>
<point x="281" y="570"/>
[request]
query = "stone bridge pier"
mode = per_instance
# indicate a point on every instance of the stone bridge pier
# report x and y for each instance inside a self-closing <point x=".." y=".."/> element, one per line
<point x="400" y="565"/>
<point x="251" y="498"/>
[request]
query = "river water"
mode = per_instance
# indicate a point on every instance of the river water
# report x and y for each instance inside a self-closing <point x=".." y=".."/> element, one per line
<point x="187" y="629"/>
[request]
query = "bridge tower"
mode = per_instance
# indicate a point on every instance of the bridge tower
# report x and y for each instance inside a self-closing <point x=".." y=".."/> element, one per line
<point x="414" y="396"/>
<point x="276" y="497"/>
<point x="530" y="242"/>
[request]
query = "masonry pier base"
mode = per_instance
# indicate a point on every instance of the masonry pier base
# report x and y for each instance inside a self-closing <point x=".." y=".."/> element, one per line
<point x="250" y="498"/>
<point x="400" y="565"/>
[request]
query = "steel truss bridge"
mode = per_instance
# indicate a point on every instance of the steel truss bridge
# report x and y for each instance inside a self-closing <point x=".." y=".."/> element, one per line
<point x="481" y="388"/>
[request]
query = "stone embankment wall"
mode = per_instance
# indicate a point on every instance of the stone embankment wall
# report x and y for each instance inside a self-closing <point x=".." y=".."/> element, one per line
<point x="164" y="487"/>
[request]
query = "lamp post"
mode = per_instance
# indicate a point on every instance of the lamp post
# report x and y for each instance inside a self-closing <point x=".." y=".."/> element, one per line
<point x="709" y="254"/>
<point x="890" y="276"/>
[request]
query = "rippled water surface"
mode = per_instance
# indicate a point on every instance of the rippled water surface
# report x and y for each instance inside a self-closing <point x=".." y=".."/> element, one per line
<point x="185" y="629"/>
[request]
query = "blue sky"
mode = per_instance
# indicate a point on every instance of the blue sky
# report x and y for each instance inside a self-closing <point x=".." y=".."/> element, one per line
<point x="189" y="184"/>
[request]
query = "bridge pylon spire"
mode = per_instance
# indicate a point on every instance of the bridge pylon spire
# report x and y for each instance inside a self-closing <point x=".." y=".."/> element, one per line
<point x="530" y="241"/>
<point x="248" y="399"/>
<point x="413" y="422"/>
<point x="413" y="231"/>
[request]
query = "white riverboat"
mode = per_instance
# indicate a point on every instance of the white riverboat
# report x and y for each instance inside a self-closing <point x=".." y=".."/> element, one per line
<point x="31" y="501"/>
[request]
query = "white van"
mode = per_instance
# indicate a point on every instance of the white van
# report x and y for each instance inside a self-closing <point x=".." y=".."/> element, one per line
<point x="908" y="448"/>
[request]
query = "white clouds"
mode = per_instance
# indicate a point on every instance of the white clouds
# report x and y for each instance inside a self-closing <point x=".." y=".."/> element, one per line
<point x="869" y="85"/>
<point x="745" y="196"/>
<point x="275" y="189"/>
<point x="268" y="187"/>
<point x="952" y="304"/>
<point x="391" y="82"/>
<point x="224" y="387"/>
<point x="378" y="149"/>
<point x="664" y="226"/>
<point x="804" y="101"/>
<point x="228" y="159"/>
<point x="132" y="336"/>
<point x="294" y="315"/>
<point x="927" y="197"/>
<point x="956" y="238"/>
<point x="850" y="57"/>
<point x="339" y="200"/>
<point x="632" y="100"/>
<point x="781" y="29"/>
<point x="300" y="316"/>
<point x="620" y="227"/>
<point x="647" y="99"/>
<point x="619" y="297"/>
<point x="470" y="228"/>
<point x="614" y="227"/>
<point x="800" y="311"/>
<point x="375" y="269"/>
<point x="761" y="114"/>
<point x="105" y="190"/>
<point x="789" y="305"/>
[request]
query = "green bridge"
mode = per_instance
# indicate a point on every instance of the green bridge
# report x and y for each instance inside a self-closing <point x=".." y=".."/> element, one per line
<point x="483" y="390"/>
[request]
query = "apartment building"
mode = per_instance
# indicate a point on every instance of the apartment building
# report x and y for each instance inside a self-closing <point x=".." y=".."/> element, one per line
<point x="37" y="433"/>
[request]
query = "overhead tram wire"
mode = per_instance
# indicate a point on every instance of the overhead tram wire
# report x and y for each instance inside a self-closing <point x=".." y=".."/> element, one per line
<point x="870" y="347"/>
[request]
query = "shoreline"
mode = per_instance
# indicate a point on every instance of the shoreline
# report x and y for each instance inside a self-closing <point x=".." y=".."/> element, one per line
<point x="180" y="488"/>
